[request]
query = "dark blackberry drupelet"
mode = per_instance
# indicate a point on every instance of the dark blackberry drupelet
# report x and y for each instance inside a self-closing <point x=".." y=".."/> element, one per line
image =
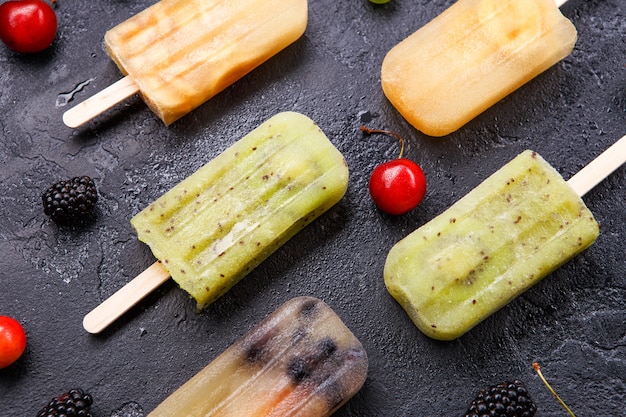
<point x="70" y="201"/>
<point x="507" y="399"/>
<point x="301" y="367"/>
<point x="74" y="403"/>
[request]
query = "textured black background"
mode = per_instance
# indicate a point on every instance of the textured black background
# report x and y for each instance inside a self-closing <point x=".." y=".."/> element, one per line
<point x="573" y="322"/>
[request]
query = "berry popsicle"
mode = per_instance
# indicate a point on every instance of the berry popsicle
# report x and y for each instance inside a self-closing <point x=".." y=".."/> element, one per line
<point x="301" y="360"/>
<point x="470" y="57"/>
<point x="215" y="226"/>
<point x="509" y="232"/>
<point x="179" y="53"/>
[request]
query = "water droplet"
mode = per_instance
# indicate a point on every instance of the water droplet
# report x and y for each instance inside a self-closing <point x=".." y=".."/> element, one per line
<point x="64" y="98"/>
<point x="365" y="116"/>
<point x="131" y="409"/>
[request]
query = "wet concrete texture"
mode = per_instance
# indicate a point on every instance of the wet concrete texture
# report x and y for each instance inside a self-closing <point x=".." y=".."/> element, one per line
<point x="572" y="322"/>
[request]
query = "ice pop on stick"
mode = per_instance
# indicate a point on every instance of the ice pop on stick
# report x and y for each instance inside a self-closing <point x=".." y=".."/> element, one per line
<point x="223" y="220"/>
<point x="470" y="57"/>
<point x="301" y="361"/>
<point x="179" y="53"/>
<point x="509" y="232"/>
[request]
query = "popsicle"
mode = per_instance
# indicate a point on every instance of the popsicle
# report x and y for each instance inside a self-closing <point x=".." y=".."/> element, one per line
<point x="179" y="53"/>
<point x="218" y="224"/>
<point x="508" y="233"/>
<point x="470" y="57"/>
<point x="301" y="360"/>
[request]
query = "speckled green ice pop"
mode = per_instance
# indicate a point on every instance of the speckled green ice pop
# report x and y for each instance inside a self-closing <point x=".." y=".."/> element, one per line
<point x="508" y="233"/>
<point x="214" y="227"/>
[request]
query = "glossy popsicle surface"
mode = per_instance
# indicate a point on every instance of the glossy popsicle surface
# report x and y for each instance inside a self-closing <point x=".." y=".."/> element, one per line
<point x="214" y="227"/>
<point x="300" y="361"/>
<point x="181" y="53"/>
<point x="508" y="233"/>
<point x="470" y="57"/>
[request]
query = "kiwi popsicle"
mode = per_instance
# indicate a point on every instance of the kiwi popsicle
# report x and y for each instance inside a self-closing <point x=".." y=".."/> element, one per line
<point x="180" y="53"/>
<point x="301" y="360"/>
<point x="470" y="57"/>
<point x="509" y="232"/>
<point x="215" y="226"/>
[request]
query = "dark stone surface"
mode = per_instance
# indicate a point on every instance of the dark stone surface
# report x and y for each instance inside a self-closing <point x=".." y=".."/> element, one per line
<point x="573" y="322"/>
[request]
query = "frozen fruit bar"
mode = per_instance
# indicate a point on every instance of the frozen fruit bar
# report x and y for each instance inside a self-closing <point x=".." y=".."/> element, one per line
<point x="181" y="53"/>
<point x="470" y="57"/>
<point x="300" y="361"/>
<point x="508" y="233"/>
<point x="226" y="218"/>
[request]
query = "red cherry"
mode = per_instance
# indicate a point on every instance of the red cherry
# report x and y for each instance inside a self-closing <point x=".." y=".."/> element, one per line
<point x="397" y="186"/>
<point x="12" y="341"/>
<point x="27" y="26"/>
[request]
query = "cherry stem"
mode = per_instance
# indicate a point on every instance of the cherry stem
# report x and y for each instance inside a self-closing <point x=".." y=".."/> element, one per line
<point x="537" y="369"/>
<point x="369" y="131"/>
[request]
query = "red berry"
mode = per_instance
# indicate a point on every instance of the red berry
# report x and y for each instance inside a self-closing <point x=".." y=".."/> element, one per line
<point x="12" y="341"/>
<point x="397" y="186"/>
<point x="27" y="26"/>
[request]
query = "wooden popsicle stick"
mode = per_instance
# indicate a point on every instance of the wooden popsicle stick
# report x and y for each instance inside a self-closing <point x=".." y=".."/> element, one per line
<point x="125" y="298"/>
<point x="600" y="168"/>
<point x="100" y="102"/>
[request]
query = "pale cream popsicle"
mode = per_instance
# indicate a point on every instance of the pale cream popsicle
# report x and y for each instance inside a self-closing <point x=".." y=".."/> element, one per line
<point x="180" y="53"/>
<point x="301" y="361"/>
<point x="214" y="227"/>
<point x="508" y="233"/>
<point x="470" y="57"/>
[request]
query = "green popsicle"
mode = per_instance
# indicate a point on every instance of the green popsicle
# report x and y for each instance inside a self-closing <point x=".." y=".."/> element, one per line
<point x="226" y="218"/>
<point x="508" y="233"/>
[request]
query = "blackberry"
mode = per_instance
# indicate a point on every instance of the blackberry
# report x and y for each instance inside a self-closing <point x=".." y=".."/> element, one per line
<point x="507" y="399"/>
<point x="74" y="403"/>
<point x="71" y="200"/>
<point x="302" y="367"/>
